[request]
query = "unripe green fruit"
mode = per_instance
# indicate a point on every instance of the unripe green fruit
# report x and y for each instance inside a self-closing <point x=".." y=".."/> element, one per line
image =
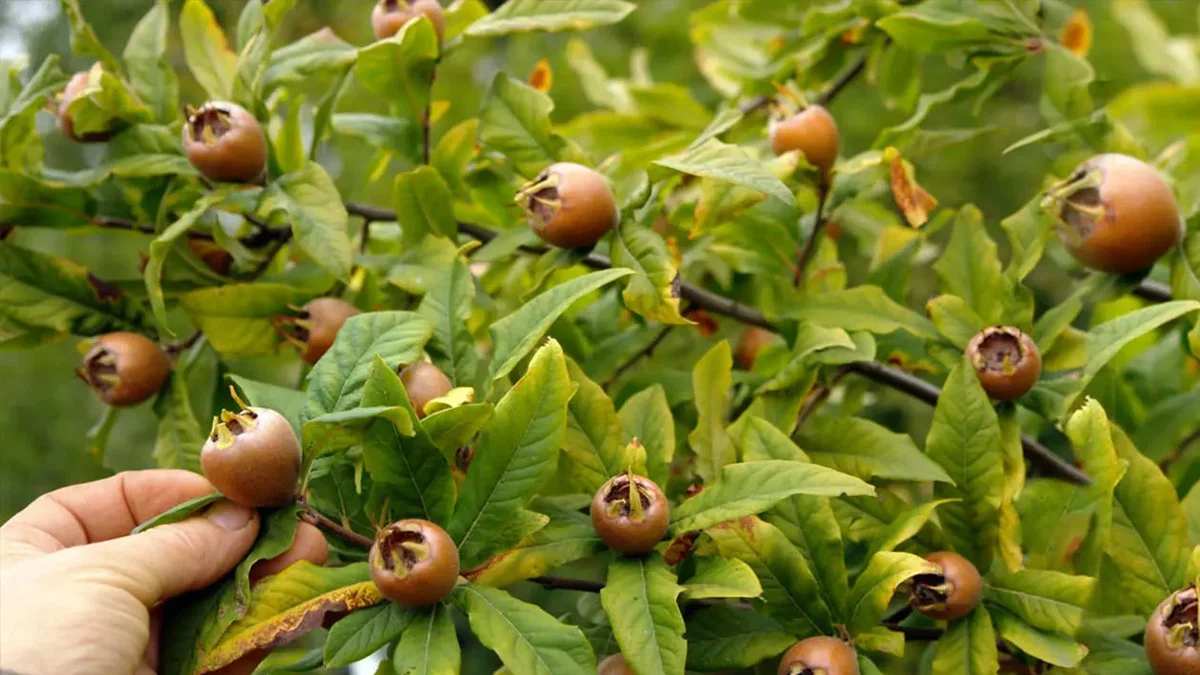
<point x="569" y="205"/>
<point x="253" y="457"/>
<point x="632" y="529"/>
<point x="414" y="563"/>
<point x="124" y="368"/>
<point x="225" y="143"/>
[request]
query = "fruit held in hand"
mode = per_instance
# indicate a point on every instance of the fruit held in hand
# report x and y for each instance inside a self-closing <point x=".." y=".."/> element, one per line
<point x="630" y="513"/>
<point x="1172" y="637"/>
<point x="614" y="665"/>
<point x="414" y="562"/>
<point x="752" y="341"/>
<point x="315" y="328"/>
<point x="66" y="122"/>
<point x="124" y="368"/>
<point x="225" y="143"/>
<point x="812" y="131"/>
<point x="569" y="205"/>
<point x="1116" y="214"/>
<point x="252" y="457"/>
<point x="1007" y="361"/>
<point x="820" y="655"/>
<point x="950" y="595"/>
<point x="389" y="16"/>
<point x="424" y="382"/>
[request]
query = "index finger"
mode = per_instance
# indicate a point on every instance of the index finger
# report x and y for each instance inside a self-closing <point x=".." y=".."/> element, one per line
<point x="103" y="509"/>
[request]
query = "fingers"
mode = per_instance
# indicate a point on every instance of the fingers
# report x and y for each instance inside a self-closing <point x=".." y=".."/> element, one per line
<point x="103" y="509"/>
<point x="309" y="545"/>
<point x="172" y="559"/>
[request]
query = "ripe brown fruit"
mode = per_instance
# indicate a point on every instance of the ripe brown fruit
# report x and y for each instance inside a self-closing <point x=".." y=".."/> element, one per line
<point x="66" y="122"/>
<point x="1116" y="214"/>
<point x="950" y="595"/>
<point x="752" y="341"/>
<point x="569" y="205"/>
<point x="629" y="526"/>
<point x="812" y="131"/>
<point x="225" y="143"/>
<point x="1007" y="361"/>
<point x="614" y="665"/>
<point x="414" y="562"/>
<point x="389" y="16"/>
<point x="216" y="258"/>
<point x="124" y="368"/>
<point x="820" y="655"/>
<point x="1172" y="637"/>
<point x="424" y="382"/>
<point x="252" y="457"/>
<point x="315" y="328"/>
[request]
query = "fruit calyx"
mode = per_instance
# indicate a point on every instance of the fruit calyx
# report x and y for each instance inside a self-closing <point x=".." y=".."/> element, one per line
<point x="99" y="369"/>
<point x="296" y="328"/>
<point x="1076" y="203"/>
<point x="1182" y="619"/>
<point x="618" y="503"/>
<point x="998" y="350"/>
<point x="929" y="592"/>
<point x="227" y="426"/>
<point x="540" y="197"/>
<point x="208" y="123"/>
<point x="401" y="548"/>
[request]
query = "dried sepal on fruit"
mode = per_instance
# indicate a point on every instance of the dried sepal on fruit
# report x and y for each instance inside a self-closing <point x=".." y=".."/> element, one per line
<point x="569" y="205"/>
<point x="389" y="16"/>
<point x="1006" y="360"/>
<point x="424" y="382"/>
<point x="124" y="368"/>
<point x="950" y="595"/>
<point x="1172" y="638"/>
<point x="314" y="328"/>
<point x="1116" y="214"/>
<point x="630" y="513"/>
<point x="820" y="655"/>
<point x="225" y="143"/>
<point x="252" y="457"/>
<point x="414" y="562"/>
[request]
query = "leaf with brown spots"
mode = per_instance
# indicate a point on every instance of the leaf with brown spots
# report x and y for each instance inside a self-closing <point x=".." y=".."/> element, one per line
<point x="912" y="199"/>
<point x="1076" y="35"/>
<point x="542" y="77"/>
<point x="290" y="604"/>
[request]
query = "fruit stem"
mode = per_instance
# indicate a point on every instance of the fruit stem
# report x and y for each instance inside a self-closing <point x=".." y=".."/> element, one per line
<point x="805" y="253"/>
<point x="310" y="515"/>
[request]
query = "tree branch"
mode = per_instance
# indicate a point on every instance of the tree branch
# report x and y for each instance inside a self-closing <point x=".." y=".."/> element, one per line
<point x="843" y="81"/>
<point x="1153" y="291"/>
<point x="310" y="515"/>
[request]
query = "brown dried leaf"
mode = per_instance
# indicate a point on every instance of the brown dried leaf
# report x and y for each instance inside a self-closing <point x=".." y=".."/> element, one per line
<point x="912" y="199"/>
<point x="1076" y="35"/>
<point x="542" y="77"/>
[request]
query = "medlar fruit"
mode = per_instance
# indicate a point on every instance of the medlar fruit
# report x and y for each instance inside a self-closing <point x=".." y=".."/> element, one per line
<point x="1007" y="361"/>
<point x="614" y="665"/>
<point x="950" y="595"/>
<point x="1172" y="637"/>
<point x="315" y="328"/>
<point x="751" y="342"/>
<point x="389" y="16"/>
<point x="569" y="205"/>
<point x="627" y="524"/>
<point x="820" y="655"/>
<point x="414" y="562"/>
<point x="424" y="382"/>
<point x="1116" y="214"/>
<point x="124" y="368"/>
<point x="812" y="131"/>
<point x="225" y="143"/>
<point x="66" y="122"/>
<point x="252" y="457"/>
<point x="216" y="258"/>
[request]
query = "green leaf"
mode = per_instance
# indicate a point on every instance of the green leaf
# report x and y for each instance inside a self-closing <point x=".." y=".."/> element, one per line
<point x="640" y="598"/>
<point x="1052" y="649"/>
<point x="287" y="402"/>
<point x="514" y="336"/>
<point x="867" y="450"/>
<point x="968" y="647"/>
<point x="721" y="578"/>
<point x="150" y="72"/>
<point x="454" y="428"/>
<point x="319" y="54"/>
<point x="873" y="590"/>
<point x="970" y="268"/>
<point x="646" y="416"/>
<point x="722" y="637"/>
<point x="319" y="220"/>
<point x="906" y="526"/>
<point x="429" y="645"/>
<point x="20" y="146"/>
<point x="336" y="382"/>
<point x="83" y="38"/>
<point x="31" y="202"/>
<point x="592" y="447"/>
<point x="162" y="246"/>
<point x="515" y="453"/>
<point x="447" y="305"/>
<point x="550" y="15"/>
<point x="749" y="488"/>
<point x="209" y="57"/>
<point x="652" y="292"/>
<point x="424" y="205"/>
<point x="526" y="638"/>
<point x="965" y="440"/>
<point x="810" y="340"/>
<point x="179" y="439"/>
<point x="865" y="308"/>
<point x="237" y="318"/>
<point x="179" y="512"/>
<point x="515" y="122"/>
<point x="1091" y="437"/>
<point x="569" y="536"/>
<point x="400" y="68"/>
<point x="731" y="164"/>
<point x="955" y="319"/>
<point x="934" y="27"/>
<point x="362" y="633"/>
<point x="1045" y="599"/>
<point x="711" y="381"/>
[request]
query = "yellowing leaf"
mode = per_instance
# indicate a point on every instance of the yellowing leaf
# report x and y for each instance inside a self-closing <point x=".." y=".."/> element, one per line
<point x="542" y="77"/>
<point x="912" y="199"/>
<point x="1076" y="35"/>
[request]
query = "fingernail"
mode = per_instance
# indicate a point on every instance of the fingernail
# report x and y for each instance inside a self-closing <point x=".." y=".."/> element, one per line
<point x="229" y="516"/>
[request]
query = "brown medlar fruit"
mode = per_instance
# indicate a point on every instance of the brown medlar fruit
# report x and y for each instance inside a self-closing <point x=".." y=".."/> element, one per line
<point x="424" y="382"/>
<point x="569" y="205"/>
<point x="614" y="665"/>
<point x="1172" y="636"/>
<point x="950" y="595"/>
<point x="124" y="368"/>
<point x="820" y="655"/>
<point x="252" y="457"/>
<point x="225" y="143"/>
<point x="1007" y="361"/>
<point x="414" y="562"/>
<point x="389" y="16"/>
<point x="752" y="341"/>
<point x="630" y="513"/>
<point x="812" y="131"/>
<point x="315" y="328"/>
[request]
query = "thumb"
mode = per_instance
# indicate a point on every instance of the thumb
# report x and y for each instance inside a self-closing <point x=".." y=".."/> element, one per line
<point x="172" y="559"/>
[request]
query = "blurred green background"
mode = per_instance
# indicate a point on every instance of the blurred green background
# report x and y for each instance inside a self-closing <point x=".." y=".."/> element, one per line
<point x="48" y="412"/>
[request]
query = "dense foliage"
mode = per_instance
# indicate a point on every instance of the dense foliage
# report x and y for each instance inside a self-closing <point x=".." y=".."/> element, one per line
<point x="780" y="330"/>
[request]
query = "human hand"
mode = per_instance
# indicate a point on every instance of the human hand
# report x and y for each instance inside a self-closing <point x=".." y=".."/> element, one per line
<point x="78" y="593"/>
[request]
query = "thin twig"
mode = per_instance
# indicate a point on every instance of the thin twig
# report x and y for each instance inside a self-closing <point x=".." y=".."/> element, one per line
<point x="805" y="253"/>
<point x="642" y="353"/>
<point x="366" y="235"/>
<point x="842" y="81"/>
<point x="819" y="394"/>
<point x="183" y="345"/>
<point x="566" y="584"/>
<point x="310" y="515"/>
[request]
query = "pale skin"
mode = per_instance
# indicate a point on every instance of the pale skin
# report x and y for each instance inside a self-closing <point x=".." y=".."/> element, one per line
<point x="79" y="594"/>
